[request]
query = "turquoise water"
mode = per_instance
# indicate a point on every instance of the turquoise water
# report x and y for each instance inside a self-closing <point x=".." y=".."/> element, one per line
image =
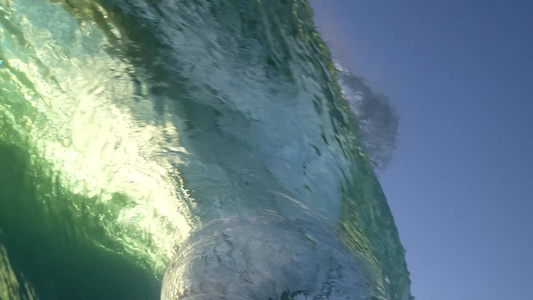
<point x="183" y="150"/>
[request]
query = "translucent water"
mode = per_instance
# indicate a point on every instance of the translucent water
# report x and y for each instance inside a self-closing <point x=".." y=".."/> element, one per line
<point x="183" y="150"/>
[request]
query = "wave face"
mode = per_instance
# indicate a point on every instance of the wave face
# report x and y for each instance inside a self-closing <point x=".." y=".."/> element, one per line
<point x="183" y="150"/>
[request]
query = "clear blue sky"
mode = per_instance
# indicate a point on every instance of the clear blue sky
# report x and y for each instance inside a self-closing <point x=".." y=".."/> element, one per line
<point x="460" y="74"/>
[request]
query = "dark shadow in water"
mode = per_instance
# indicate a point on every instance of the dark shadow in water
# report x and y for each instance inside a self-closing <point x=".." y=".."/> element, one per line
<point x="43" y="247"/>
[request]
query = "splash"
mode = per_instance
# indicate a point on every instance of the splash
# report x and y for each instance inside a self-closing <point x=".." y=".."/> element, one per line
<point x="377" y="118"/>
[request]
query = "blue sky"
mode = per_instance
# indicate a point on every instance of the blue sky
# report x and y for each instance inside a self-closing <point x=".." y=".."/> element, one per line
<point x="460" y="74"/>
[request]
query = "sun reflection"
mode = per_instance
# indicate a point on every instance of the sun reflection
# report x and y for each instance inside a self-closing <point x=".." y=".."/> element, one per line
<point x="89" y="137"/>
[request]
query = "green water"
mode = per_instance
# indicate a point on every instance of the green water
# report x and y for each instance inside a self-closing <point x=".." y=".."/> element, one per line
<point x="58" y="263"/>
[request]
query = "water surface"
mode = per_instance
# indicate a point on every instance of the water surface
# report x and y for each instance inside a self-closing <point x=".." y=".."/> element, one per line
<point x="183" y="149"/>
